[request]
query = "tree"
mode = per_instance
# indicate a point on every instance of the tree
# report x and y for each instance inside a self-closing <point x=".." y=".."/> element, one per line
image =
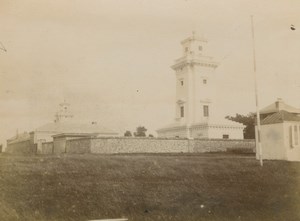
<point x="150" y="135"/>
<point x="140" y="132"/>
<point x="248" y="120"/>
<point x="127" y="134"/>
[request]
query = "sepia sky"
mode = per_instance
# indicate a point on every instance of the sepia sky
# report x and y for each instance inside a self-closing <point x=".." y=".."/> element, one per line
<point x="111" y="59"/>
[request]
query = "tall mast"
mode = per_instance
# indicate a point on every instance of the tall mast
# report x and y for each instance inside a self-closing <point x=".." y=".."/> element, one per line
<point x="256" y="97"/>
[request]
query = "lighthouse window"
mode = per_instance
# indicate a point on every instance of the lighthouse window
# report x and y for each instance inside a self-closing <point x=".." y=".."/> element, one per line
<point x="182" y="111"/>
<point x="204" y="81"/>
<point x="181" y="82"/>
<point x="205" y="111"/>
<point x="225" y="136"/>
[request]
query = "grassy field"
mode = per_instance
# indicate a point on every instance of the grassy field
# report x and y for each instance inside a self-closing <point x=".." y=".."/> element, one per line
<point x="148" y="187"/>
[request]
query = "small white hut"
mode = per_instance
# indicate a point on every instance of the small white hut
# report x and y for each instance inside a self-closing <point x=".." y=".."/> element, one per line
<point x="280" y="132"/>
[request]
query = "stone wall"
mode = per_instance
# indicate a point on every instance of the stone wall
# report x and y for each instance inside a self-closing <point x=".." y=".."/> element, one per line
<point x="138" y="145"/>
<point x="59" y="145"/>
<point x="21" y="147"/>
<point x="156" y="145"/>
<point x="47" y="148"/>
<point x="222" y="145"/>
<point x="82" y="145"/>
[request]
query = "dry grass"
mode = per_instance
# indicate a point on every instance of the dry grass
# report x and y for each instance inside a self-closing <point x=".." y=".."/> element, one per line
<point x="147" y="187"/>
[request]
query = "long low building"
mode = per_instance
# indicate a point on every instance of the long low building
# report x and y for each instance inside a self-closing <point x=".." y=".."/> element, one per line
<point x="21" y="143"/>
<point x="63" y="124"/>
<point x="46" y="132"/>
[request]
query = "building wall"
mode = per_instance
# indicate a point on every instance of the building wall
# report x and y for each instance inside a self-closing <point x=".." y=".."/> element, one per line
<point x="292" y="140"/>
<point x="80" y="145"/>
<point x="203" y="131"/>
<point x="21" y="147"/>
<point x="278" y="143"/>
<point x="199" y="131"/>
<point x="173" y="132"/>
<point x="138" y="145"/>
<point x="232" y="132"/>
<point x="181" y="92"/>
<point x="203" y="93"/>
<point x="155" y="145"/>
<point x="59" y="145"/>
<point x="273" y="142"/>
<point x="220" y="145"/>
<point x="43" y="136"/>
<point x="47" y="148"/>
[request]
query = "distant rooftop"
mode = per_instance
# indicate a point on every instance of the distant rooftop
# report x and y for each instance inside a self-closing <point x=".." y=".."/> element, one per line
<point x="194" y="36"/>
<point x="19" y="137"/>
<point x="280" y="117"/>
<point x="66" y="127"/>
<point x="277" y="106"/>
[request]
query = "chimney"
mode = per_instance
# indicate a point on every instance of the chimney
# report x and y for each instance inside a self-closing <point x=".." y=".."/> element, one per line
<point x="278" y="103"/>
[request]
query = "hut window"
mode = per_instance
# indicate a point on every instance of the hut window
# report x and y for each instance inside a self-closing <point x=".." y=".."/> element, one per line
<point x="296" y="135"/>
<point x="291" y="136"/>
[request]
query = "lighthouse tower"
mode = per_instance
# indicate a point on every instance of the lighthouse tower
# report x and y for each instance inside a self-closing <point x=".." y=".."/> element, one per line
<point x="195" y="90"/>
<point x="63" y="115"/>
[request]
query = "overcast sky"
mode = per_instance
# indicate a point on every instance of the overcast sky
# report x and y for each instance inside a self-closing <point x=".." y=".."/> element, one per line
<point x="111" y="59"/>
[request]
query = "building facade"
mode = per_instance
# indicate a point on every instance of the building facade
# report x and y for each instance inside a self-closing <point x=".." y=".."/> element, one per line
<point x="195" y="89"/>
<point x="280" y="132"/>
<point x="63" y="124"/>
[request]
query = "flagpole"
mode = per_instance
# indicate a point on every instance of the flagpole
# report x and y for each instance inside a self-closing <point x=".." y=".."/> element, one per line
<point x="256" y="97"/>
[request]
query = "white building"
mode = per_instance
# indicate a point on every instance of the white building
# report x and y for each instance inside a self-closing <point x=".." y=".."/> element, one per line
<point x="63" y="114"/>
<point x="280" y="132"/>
<point x="63" y="124"/>
<point x="195" y="89"/>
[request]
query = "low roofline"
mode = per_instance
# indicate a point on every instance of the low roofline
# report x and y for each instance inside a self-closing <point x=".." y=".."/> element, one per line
<point x="75" y="134"/>
<point x="83" y="134"/>
<point x="204" y="63"/>
<point x="194" y="37"/>
<point x="280" y="117"/>
<point x="277" y="106"/>
<point x="207" y="124"/>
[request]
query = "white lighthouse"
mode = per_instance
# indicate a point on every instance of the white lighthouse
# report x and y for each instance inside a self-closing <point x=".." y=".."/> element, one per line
<point x="195" y="89"/>
<point x="63" y="114"/>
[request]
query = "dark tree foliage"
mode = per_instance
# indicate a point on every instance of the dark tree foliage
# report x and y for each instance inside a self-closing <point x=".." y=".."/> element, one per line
<point x="127" y="134"/>
<point x="140" y="132"/>
<point x="150" y="135"/>
<point x="248" y="120"/>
